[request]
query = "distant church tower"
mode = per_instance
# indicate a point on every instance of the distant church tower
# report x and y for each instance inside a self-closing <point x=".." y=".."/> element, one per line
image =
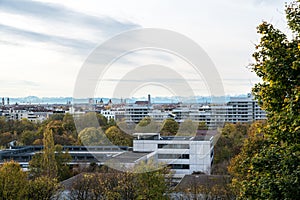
<point x="149" y="99"/>
<point x="7" y="100"/>
<point x="3" y="101"/>
<point x="109" y="103"/>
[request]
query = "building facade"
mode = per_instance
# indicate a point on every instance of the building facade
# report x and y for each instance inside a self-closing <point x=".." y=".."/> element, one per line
<point x="184" y="155"/>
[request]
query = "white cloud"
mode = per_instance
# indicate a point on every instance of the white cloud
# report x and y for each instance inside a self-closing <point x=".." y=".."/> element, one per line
<point x="46" y="42"/>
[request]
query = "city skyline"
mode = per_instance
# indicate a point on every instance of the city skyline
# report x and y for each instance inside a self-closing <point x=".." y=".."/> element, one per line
<point x="45" y="43"/>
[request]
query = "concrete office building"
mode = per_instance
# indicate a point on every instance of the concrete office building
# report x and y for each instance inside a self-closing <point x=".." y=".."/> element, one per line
<point x="184" y="155"/>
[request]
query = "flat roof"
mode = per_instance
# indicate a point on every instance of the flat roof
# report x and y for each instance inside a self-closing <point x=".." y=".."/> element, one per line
<point x="145" y="134"/>
<point x="201" y="135"/>
<point x="129" y="156"/>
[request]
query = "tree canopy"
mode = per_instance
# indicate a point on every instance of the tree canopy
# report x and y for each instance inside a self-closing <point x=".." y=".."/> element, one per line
<point x="169" y="127"/>
<point x="268" y="166"/>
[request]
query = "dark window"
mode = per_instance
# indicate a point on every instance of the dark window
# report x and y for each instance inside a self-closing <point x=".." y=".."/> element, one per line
<point x="173" y="156"/>
<point x="179" y="166"/>
<point x="173" y="146"/>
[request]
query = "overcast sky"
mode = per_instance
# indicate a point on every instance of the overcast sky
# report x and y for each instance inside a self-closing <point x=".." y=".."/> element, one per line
<point x="44" y="44"/>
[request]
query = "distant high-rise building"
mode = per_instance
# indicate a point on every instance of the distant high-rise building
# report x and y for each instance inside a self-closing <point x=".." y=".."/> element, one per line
<point x="7" y="100"/>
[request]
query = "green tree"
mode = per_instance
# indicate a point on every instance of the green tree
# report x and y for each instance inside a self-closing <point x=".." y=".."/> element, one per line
<point x="56" y="126"/>
<point x="42" y="188"/>
<point x="110" y="123"/>
<point x="62" y="158"/>
<point x="169" y="127"/>
<point x="12" y="181"/>
<point x="271" y="170"/>
<point x="19" y="126"/>
<point x="92" y="136"/>
<point x="6" y="137"/>
<point x="35" y="165"/>
<point x="148" y="125"/>
<point x="63" y="132"/>
<point x="126" y="127"/>
<point x="90" y="119"/>
<point x="85" y="187"/>
<point x="2" y="123"/>
<point x="117" y="137"/>
<point x="153" y="180"/>
<point x="28" y="137"/>
<point x="49" y="165"/>
<point x="102" y="121"/>
<point x="69" y="125"/>
<point x="127" y="186"/>
<point x="202" y="126"/>
<point x="37" y="168"/>
<point x="188" y="128"/>
<point x="56" y="117"/>
<point x="228" y="145"/>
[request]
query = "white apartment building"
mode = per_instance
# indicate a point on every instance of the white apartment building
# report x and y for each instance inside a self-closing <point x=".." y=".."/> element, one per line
<point x="158" y="115"/>
<point x="108" y="114"/>
<point x="184" y="155"/>
<point x="135" y="113"/>
<point x="25" y="114"/>
<point x="244" y="110"/>
<point x="237" y="109"/>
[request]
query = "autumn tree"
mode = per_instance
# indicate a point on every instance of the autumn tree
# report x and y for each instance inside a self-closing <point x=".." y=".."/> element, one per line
<point x="49" y="165"/>
<point x="109" y="185"/>
<point x="62" y="159"/>
<point x="188" y="128"/>
<point x="84" y="187"/>
<point x="153" y="180"/>
<point x="92" y="136"/>
<point x="68" y="123"/>
<point x="28" y="137"/>
<point x="42" y="188"/>
<point x="90" y="119"/>
<point x="148" y="125"/>
<point x="127" y="186"/>
<point x="271" y="170"/>
<point x="12" y="181"/>
<point x="6" y="137"/>
<point x="201" y="186"/>
<point x="36" y="167"/>
<point x="202" y="126"/>
<point x="169" y="127"/>
<point x="126" y="127"/>
<point x="228" y="145"/>
<point x="241" y="165"/>
<point x="118" y="137"/>
<point x="146" y="180"/>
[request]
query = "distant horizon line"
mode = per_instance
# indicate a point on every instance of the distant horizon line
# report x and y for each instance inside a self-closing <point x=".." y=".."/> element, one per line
<point x="133" y="97"/>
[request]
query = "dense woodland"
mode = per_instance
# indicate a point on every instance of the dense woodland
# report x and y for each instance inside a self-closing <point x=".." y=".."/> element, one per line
<point x="64" y="130"/>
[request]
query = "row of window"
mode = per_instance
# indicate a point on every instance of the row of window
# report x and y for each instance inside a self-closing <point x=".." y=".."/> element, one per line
<point x="173" y="146"/>
<point x="173" y="156"/>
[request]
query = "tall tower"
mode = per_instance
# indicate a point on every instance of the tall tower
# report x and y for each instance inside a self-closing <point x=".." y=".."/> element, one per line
<point x="7" y="100"/>
<point x="149" y="99"/>
<point x="3" y="101"/>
